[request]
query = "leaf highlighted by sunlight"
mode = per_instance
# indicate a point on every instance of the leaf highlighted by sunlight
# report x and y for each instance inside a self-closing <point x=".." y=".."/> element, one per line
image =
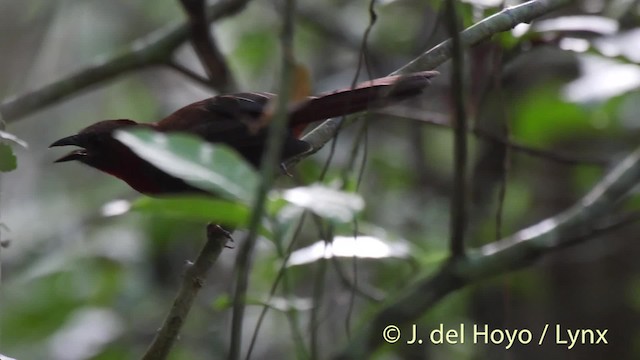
<point x="212" y="167"/>
<point x="326" y="202"/>
<point x="5" y="136"/>
<point x="347" y="246"/>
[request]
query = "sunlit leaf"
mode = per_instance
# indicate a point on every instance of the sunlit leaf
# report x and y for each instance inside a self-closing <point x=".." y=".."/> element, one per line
<point x="115" y="208"/>
<point x="13" y="139"/>
<point x="8" y="160"/>
<point x="196" y="209"/>
<point x="596" y="24"/>
<point x="344" y="246"/>
<point x="211" y="167"/>
<point x="326" y="202"/>
<point x="287" y="304"/>
<point x="602" y="79"/>
<point x="484" y="3"/>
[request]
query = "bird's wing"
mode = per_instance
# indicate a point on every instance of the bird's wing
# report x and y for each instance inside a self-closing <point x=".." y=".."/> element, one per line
<point x="223" y="118"/>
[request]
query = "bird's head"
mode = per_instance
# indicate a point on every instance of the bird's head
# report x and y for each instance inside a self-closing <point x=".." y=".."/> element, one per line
<point x="100" y="150"/>
<point x="95" y="142"/>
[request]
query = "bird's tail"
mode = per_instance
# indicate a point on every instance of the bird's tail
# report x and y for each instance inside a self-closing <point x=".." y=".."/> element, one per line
<point x="366" y="95"/>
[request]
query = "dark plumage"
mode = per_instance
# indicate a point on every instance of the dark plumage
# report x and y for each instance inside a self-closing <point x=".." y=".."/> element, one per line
<point x="238" y="120"/>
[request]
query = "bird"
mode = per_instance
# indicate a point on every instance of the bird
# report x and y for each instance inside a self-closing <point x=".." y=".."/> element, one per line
<point x="239" y="120"/>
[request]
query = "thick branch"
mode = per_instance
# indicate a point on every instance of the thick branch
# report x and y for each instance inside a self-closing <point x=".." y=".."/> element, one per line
<point x="194" y="279"/>
<point x="570" y="227"/>
<point x="458" y="211"/>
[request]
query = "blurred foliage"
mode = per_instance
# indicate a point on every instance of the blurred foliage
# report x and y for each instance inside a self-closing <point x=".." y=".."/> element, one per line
<point x="79" y="283"/>
<point x="7" y="158"/>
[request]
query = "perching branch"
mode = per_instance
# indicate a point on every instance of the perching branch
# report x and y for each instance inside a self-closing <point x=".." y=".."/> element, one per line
<point x="194" y="278"/>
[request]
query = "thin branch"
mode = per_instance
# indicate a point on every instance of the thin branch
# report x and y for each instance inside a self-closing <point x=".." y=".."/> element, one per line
<point x="506" y="130"/>
<point x="189" y="73"/>
<point x="282" y="275"/>
<point x="318" y="287"/>
<point x="441" y="120"/>
<point x="206" y="48"/>
<point x="277" y="131"/>
<point x="153" y="49"/>
<point x="194" y="278"/>
<point x="582" y="221"/>
<point x="458" y="221"/>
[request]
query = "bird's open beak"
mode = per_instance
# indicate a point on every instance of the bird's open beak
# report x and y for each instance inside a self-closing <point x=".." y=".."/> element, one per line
<point x="74" y="155"/>
<point x="69" y="140"/>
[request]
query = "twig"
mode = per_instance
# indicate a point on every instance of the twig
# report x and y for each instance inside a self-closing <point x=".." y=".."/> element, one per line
<point x="441" y="120"/>
<point x="575" y="225"/>
<point x="205" y="46"/>
<point x="268" y="168"/>
<point x="282" y="275"/>
<point x="153" y="49"/>
<point x="194" y="278"/>
<point x="189" y="73"/>
<point x="458" y="213"/>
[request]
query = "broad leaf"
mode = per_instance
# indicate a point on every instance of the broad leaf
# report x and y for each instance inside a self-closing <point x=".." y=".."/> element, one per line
<point x="326" y="202"/>
<point x="348" y="246"/>
<point x="211" y="167"/>
<point x="196" y="208"/>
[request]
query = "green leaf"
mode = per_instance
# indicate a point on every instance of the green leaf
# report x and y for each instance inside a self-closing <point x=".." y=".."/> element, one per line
<point x="8" y="160"/>
<point x="195" y="209"/>
<point x="326" y="202"/>
<point x="212" y="167"/>
<point x="542" y="118"/>
<point x="222" y="303"/>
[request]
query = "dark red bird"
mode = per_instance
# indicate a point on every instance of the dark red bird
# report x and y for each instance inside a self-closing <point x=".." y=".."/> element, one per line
<point x="227" y="119"/>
